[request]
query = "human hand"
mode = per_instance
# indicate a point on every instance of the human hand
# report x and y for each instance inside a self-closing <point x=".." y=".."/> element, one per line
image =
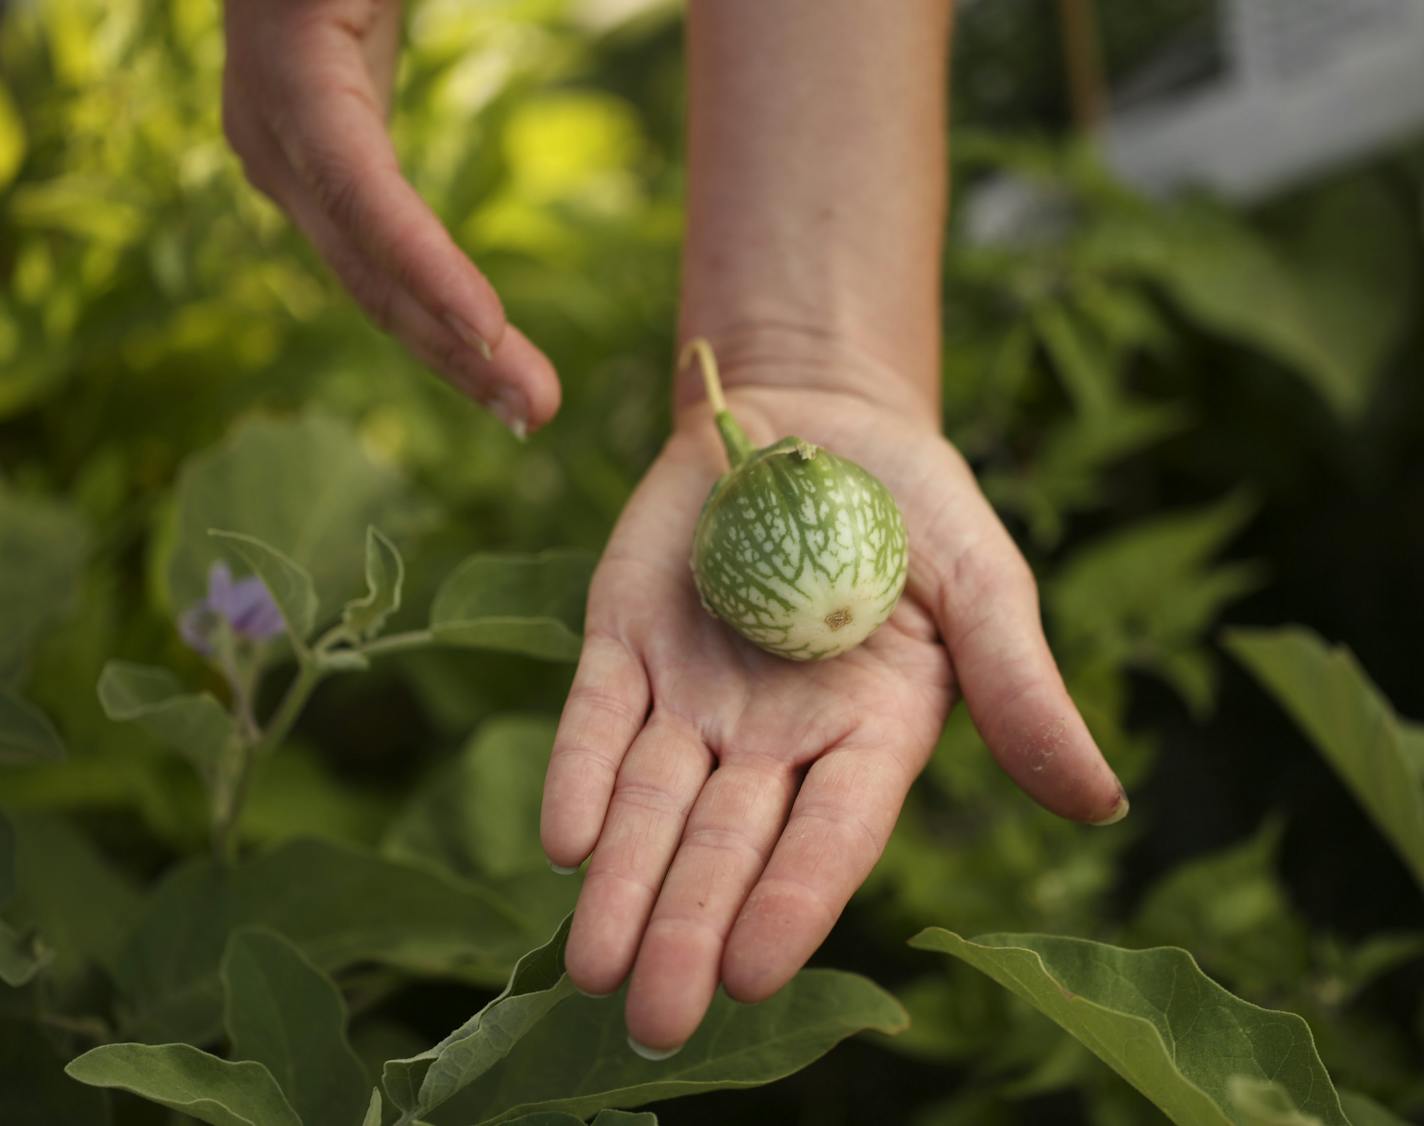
<point x="306" y="92"/>
<point x="733" y="801"/>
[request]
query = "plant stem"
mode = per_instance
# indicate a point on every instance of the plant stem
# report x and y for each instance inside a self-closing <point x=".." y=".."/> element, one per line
<point x="733" y="437"/>
<point x="398" y="643"/>
<point x="232" y="788"/>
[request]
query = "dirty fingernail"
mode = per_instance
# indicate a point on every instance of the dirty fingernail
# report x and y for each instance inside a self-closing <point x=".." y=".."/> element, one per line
<point x="653" y="1054"/>
<point x="466" y="332"/>
<point x="1119" y="811"/>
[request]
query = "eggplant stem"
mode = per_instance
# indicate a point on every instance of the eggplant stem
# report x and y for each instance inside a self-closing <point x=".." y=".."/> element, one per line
<point x="734" y="438"/>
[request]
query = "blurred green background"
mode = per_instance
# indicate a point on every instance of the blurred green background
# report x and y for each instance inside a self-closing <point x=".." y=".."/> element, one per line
<point x="1191" y="414"/>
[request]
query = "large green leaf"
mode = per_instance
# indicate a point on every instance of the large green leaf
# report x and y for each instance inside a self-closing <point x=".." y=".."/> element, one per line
<point x="530" y="604"/>
<point x="69" y="893"/>
<point x="187" y="1079"/>
<point x="421" y="1083"/>
<point x="286" y="581"/>
<point x="1156" y="1020"/>
<point x="479" y="814"/>
<point x="1351" y="723"/>
<point x="42" y="549"/>
<point x="304" y="486"/>
<point x="1232" y="282"/>
<point x="576" y="1061"/>
<point x="284" y="1013"/>
<point x="192" y="723"/>
<point x="338" y="905"/>
<point x="385" y="575"/>
<point x="26" y="734"/>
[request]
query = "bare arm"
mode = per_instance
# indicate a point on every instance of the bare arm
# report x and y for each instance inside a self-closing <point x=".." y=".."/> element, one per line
<point x="816" y="190"/>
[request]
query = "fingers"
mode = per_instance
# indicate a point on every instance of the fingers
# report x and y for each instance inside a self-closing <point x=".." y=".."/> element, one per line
<point x="987" y="607"/>
<point x="724" y="848"/>
<point x="838" y="828"/>
<point x="313" y="135"/>
<point x="661" y="776"/>
<point x="605" y="710"/>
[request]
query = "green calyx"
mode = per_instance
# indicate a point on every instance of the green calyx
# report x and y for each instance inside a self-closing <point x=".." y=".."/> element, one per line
<point x="800" y="551"/>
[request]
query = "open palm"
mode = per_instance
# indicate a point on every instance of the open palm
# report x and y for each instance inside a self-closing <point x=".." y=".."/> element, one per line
<point x="733" y="801"/>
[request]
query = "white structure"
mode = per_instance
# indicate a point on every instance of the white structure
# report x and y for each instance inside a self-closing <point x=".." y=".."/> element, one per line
<point x="1300" y="85"/>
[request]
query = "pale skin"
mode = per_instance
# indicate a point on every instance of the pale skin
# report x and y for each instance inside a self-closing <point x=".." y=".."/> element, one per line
<point x="728" y="803"/>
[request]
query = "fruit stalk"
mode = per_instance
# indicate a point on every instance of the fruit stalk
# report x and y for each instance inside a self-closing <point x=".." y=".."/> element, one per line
<point x="734" y="438"/>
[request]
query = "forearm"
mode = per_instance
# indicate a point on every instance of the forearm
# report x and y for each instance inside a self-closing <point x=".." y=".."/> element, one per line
<point x="816" y="193"/>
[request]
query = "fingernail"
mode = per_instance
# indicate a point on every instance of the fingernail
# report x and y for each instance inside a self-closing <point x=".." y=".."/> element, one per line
<point x="466" y="332"/>
<point x="508" y="406"/>
<point x="559" y="869"/>
<point x="1119" y="811"/>
<point x="653" y="1054"/>
<point x="592" y="996"/>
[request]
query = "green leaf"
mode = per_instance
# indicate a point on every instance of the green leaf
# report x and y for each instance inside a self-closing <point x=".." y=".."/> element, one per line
<point x="284" y="1013"/>
<point x="26" y="734"/>
<point x="1260" y="1102"/>
<point x="184" y="1078"/>
<point x="338" y="905"/>
<point x="1230" y="909"/>
<point x="193" y="723"/>
<point x="305" y="486"/>
<point x="1145" y="595"/>
<point x="69" y="893"/>
<point x="1155" y="1019"/>
<point x="604" y="1118"/>
<point x="1350" y="722"/>
<point x="477" y="817"/>
<point x="286" y="580"/>
<point x="479" y="814"/>
<point x="1364" y="1111"/>
<point x="575" y="1060"/>
<point x="421" y="1083"/>
<point x="385" y="573"/>
<point x="22" y="956"/>
<point x="35" y="1091"/>
<point x="529" y="604"/>
<point x="42" y="550"/>
<point x="12" y="139"/>
<point x="1232" y="282"/>
<point x="374" y="1109"/>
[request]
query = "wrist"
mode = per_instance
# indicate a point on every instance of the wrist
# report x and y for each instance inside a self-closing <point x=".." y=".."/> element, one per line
<point x="790" y="357"/>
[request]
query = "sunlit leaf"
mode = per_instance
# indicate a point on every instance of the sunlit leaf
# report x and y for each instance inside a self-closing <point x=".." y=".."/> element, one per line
<point x="385" y="574"/>
<point x="184" y="1078"/>
<point x="1155" y="1019"/>
<point x="576" y="1061"/>
<point x="529" y="604"/>
<point x="12" y="138"/>
<point x="1350" y="722"/>
<point x="26" y="734"/>
<point x="420" y="1084"/>
<point x="284" y="1013"/>
<point x="192" y="723"/>
<point x="286" y="581"/>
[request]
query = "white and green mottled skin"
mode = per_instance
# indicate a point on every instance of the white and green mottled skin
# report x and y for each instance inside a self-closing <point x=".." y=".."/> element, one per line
<point x="801" y="552"/>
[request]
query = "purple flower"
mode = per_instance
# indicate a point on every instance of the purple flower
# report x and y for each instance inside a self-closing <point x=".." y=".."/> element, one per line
<point x="245" y="605"/>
